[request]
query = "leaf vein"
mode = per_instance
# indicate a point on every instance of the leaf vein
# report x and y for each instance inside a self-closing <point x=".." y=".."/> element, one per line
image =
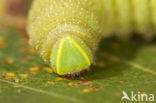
<point x="137" y="66"/>
<point x="42" y="91"/>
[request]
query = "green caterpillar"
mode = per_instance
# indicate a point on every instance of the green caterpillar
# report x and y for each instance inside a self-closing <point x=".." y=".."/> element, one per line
<point x="66" y="32"/>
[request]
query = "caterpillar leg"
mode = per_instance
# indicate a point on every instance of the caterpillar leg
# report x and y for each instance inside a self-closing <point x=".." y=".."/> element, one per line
<point x="70" y="55"/>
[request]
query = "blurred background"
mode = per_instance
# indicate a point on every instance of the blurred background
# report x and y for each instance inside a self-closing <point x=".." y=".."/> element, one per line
<point x="13" y="13"/>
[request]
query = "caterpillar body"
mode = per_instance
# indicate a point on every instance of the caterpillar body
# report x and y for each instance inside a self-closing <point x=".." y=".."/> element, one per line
<point x="66" y="32"/>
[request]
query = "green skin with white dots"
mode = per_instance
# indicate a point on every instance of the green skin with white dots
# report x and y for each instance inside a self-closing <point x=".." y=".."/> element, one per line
<point x="66" y="33"/>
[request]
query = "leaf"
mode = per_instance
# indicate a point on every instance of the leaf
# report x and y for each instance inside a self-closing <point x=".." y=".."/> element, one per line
<point x="120" y="66"/>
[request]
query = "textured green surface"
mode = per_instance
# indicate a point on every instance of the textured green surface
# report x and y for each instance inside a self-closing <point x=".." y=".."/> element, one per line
<point x="75" y="59"/>
<point x="88" y="20"/>
<point x="120" y="66"/>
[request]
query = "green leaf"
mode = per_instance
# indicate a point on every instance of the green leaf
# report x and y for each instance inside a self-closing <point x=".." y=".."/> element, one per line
<point x="120" y="66"/>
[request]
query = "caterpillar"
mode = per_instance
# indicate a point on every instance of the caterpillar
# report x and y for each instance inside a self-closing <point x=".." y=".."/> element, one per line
<point x="66" y="33"/>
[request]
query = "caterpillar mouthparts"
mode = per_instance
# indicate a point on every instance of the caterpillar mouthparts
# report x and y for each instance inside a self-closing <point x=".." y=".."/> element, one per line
<point x="66" y="33"/>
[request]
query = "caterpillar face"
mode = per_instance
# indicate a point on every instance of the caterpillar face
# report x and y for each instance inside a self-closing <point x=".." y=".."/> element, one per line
<point x="70" y="54"/>
<point x="66" y="32"/>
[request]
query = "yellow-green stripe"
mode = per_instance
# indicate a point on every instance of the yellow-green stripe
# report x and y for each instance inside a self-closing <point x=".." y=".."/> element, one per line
<point x="58" y="56"/>
<point x="80" y="49"/>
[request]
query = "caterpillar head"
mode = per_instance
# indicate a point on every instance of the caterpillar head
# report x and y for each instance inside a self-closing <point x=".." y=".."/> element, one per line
<point x="70" y="55"/>
<point x="64" y="33"/>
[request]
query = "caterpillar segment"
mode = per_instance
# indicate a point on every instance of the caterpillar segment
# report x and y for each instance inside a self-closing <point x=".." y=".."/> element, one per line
<point x="66" y="33"/>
